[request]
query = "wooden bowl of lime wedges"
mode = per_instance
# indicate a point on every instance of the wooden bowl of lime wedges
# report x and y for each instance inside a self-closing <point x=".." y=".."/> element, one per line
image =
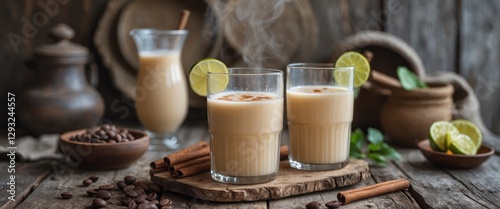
<point x="455" y="144"/>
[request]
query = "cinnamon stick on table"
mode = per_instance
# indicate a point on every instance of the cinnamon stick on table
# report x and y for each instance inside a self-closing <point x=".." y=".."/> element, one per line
<point x="195" y="161"/>
<point x="372" y="191"/>
<point x="194" y="151"/>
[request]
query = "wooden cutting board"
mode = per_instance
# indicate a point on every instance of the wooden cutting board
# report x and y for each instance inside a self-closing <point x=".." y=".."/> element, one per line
<point x="288" y="183"/>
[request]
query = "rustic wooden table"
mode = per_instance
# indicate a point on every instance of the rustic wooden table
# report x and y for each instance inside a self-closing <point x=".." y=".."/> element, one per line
<point x="39" y="184"/>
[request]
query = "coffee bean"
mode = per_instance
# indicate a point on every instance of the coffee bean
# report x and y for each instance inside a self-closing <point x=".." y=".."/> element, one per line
<point x="129" y="180"/>
<point x="104" y="194"/>
<point x="86" y="182"/>
<point x="155" y="188"/>
<point x="121" y="184"/>
<point x="98" y="203"/>
<point x="132" y="205"/>
<point x="167" y="207"/>
<point x="91" y="192"/>
<point x="332" y="204"/>
<point x="313" y="205"/>
<point x="94" y="178"/>
<point x="165" y="202"/>
<point x="131" y="193"/>
<point x="139" y="190"/>
<point x="129" y="187"/>
<point x="141" y="198"/>
<point x="154" y="202"/>
<point x="66" y="195"/>
<point x="107" y="187"/>
<point x="147" y="205"/>
<point x="152" y="196"/>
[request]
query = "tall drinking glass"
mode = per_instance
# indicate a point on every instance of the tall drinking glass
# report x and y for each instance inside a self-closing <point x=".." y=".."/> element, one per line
<point x="320" y="102"/>
<point x="161" y="91"/>
<point x="245" y="120"/>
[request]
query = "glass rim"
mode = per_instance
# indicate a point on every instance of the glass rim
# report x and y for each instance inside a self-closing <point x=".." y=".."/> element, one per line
<point x="311" y="65"/>
<point x="251" y="71"/>
<point x="157" y="31"/>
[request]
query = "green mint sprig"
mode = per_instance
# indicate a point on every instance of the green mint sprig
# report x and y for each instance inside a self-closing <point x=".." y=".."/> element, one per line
<point x="374" y="148"/>
<point x="409" y="80"/>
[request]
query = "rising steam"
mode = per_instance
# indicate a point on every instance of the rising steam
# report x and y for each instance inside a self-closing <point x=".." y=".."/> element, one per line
<point x="251" y="22"/>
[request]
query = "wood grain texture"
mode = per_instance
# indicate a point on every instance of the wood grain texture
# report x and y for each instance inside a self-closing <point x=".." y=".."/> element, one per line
<point x="438" y="188"/>
<point x="340" y="18"/>
<point x="27" y="177"/>
<point x="479" y="56"/>
<point x="430" y="27"/>
<point x="288" y="183"/>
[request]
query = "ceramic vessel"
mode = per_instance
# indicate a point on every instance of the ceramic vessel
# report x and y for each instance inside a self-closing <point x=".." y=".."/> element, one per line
<point x="60" y="98"/>
<point x="407" y="115"/>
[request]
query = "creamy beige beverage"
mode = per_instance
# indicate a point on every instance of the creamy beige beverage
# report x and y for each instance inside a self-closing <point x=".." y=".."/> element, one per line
<point x="319" y="119"/>
<point x="161" y="94"/>
<point x="245" y="133"/>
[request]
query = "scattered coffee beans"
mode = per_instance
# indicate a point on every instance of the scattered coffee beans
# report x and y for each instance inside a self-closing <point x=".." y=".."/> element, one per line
<point x="332" y="204"/>
<point x="94" y="178"/>
<point x="138" y="195"/>
<point x="92" y="192"/>
<point x="107" y="187"/>
<point x="121" y="184"/>
<point x="98" y="203"/>
<point x="129" y="180"/>
<point x="66" y="195"/>
<point x="104" y="194"/>
<point x="86" y="182"/>
<point x="104" y="134"/>
<point x="313" y="205"/>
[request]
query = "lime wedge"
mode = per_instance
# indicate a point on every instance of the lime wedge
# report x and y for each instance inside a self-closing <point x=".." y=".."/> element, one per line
<point x="198" y="76"/>
<point x="437" y="134"/>
<point x="360" y="64"/>
<point x="468" y="128"/>
<point x="463" y="144"/>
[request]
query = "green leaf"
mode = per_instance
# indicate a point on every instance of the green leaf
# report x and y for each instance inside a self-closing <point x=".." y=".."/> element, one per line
<point x="409" y="80"/>
<point x="375" y="136"/>
<point x="357" y="138"/>
<point x="389" y="152"/>
<point x="378" y="158"/>
<point x="374" y="147"/>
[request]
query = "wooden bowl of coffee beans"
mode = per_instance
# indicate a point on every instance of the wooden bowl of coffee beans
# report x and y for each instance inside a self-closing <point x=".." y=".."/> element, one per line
<point x="105" y="147"/>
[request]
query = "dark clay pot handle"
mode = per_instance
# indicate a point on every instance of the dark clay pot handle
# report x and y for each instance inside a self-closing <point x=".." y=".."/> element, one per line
<point x="91" y="72"/>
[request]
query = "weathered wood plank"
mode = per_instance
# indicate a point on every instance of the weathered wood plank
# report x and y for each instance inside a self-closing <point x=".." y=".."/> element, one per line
<point x="378" y="174"/>
<point x="430" y="27"/>
<point x="27" y="176"/>
<point x="438" y="188"/>
<point x="340" y="18"/>
<point x="479" y="56"/>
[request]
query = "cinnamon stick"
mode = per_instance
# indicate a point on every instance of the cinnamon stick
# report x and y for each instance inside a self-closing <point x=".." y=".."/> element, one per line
<point x="372" y="191"/>
<point x="157" y="170"/>
<point x="195" y="161"/>
<point x="183" y="20"/>
<point x="384" y="80"/>
<point x="158" y="164"/>
<point x="186" y="155"/>
<point x="194" y="169"/>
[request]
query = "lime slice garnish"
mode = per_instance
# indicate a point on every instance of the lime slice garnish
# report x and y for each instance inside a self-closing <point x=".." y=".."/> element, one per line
<point x="198" y="76"/>
<point x="437" y="134"/>
<point x="360" y="64"/>
<point x="468" y="128"/>
<point x="462" y="144"/>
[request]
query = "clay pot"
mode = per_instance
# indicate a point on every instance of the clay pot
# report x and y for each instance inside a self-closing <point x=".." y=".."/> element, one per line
<point x="60" y="99"/>
<point x="407" y="115"/>
<point x="389" y="52"/>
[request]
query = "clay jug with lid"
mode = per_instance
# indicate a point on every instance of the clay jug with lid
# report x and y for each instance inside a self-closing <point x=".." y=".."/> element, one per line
<point x="60" y="98"/>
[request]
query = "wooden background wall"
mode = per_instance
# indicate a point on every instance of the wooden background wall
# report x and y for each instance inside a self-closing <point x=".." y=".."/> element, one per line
<point x="461" y="36"/>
